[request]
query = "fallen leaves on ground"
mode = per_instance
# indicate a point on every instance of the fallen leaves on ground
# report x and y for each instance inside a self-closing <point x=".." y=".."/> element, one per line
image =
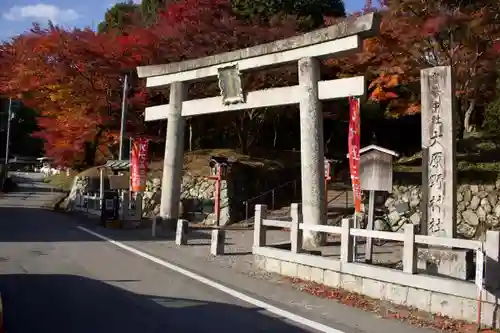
<point x="387" y="310"/>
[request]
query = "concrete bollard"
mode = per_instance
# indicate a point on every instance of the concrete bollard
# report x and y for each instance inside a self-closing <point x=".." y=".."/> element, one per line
<point x="153" y="226"/>
<point x="218" y="242"/>
<point x="181" y="232"/>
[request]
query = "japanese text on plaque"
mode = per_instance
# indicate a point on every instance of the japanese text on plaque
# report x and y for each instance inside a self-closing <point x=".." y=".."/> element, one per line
<point x="436" y="167"/>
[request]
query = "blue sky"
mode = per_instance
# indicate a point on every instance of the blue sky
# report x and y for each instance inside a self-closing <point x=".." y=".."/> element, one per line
<point x="17" y="15"/>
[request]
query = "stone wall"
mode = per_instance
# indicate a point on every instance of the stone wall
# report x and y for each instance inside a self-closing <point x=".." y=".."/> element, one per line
<point x="243" y="182"/>
<point x="198" y="193"/>
<point x="478" y="207"/>
<point x="197" y="200"/>
<point x="447" y="297"/>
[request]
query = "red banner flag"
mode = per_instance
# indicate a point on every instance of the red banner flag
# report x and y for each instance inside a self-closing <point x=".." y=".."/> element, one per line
<point x="139" y="164"/>
<point x="353" y="150"/>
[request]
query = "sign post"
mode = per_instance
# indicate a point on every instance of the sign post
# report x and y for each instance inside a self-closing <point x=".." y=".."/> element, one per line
<point x="376" y="175"/>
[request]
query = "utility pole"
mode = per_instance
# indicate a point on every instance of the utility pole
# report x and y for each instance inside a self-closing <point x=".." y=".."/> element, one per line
<point x="124" y="117"/>
<point x="7" y="139"/>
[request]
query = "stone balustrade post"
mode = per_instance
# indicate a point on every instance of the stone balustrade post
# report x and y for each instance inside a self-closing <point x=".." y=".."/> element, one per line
<point x="409" y="249"/>
<point x="259" y="230"/>
<point x="346" y="244"/>
<point x="295" y="231"/>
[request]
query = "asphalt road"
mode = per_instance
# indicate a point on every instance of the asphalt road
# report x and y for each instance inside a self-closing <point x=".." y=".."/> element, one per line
<point x="56" y="278"/>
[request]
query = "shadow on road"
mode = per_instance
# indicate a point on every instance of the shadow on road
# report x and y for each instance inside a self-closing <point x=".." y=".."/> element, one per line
<point x="71" y="303"/>
<point x="24" y="224"/>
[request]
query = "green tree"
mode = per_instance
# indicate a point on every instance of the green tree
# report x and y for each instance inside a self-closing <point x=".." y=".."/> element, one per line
<point x="120" y="16"/>
<point x="150" y="9"/>
<point x="310" y="13"/>
<point x="491" y="122"/>
<point x="23" y="124"/>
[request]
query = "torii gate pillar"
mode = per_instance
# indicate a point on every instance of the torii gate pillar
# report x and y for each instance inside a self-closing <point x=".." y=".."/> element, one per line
<point x="311" y="151"/>
<point x="174" y="156"/>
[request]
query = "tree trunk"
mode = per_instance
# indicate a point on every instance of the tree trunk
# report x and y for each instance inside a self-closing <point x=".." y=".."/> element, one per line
<point x="459" y="120"/>
<point x="91" y="150"/>
<point x="241" y="130"/>
<point x="190" y="134"/>
<point x="275" y="137"/>
<point x="242" y="138"/>
<point x="468" y="115"/>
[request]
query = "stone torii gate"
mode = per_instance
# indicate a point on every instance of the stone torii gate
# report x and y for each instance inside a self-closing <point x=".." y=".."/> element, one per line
<point x="338" y="40"/>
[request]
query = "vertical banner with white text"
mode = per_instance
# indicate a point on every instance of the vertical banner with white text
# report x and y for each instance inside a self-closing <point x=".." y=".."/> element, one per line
<point x="353" y="150"/>
<point x="139" y="164"/>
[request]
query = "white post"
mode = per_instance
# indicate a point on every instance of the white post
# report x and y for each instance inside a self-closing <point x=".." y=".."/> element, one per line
<point x="174" y="155"/>
<point x="296" y="232"/>
<point x="369" y="240"/>
<point x="409" y="249"/>
<point x="312" y="151"/>
<point x="479" y="280"/>
<point x="346" y="249"/>
<point x="7" y="139"/>
<point x="492" y="251"/>
<point x="101" y="187"/>
<point x="259" y="230"/>
<point x="181" y="232"/>
<point x="218" y="241"/>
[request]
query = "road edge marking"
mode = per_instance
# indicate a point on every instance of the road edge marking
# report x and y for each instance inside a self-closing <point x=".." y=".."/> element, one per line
<point x="231" y="292"/>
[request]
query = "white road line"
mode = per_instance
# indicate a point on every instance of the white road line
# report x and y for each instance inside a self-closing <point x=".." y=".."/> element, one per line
<point x="234" y="293"/>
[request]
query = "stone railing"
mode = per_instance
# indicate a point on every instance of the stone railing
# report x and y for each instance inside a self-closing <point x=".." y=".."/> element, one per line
<point x="434" y="294"/>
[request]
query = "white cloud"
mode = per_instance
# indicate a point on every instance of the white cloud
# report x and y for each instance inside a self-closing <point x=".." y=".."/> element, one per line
<point x="41" y="12"/>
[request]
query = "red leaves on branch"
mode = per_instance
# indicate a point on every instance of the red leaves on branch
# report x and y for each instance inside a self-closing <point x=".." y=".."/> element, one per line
<point x="74" y="77"/>
<point x="418" y="34"/>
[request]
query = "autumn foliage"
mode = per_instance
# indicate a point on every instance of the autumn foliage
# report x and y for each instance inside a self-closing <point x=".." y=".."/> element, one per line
<point x="74" y="77"/>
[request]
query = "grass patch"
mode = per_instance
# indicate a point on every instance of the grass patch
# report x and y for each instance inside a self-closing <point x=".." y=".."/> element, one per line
<point x="61" y="181"/>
